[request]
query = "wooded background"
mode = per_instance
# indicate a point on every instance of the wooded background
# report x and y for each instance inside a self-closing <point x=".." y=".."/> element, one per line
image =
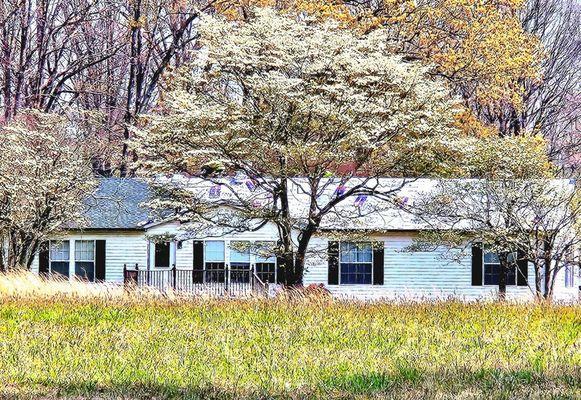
<point x="103" y="63"/>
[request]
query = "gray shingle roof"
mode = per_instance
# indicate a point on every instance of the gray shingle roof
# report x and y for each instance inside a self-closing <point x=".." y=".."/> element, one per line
<point x="118" y="204"/>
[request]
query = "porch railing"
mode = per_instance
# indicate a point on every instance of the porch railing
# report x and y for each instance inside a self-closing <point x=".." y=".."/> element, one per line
<point x="212" y="282"/>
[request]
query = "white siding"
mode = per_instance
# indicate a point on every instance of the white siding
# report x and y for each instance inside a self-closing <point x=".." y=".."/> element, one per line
<point x="121" y="247"/>
<point x="185" y="256"/>
<point x="411" y="274"/>
<point x="561" y="292"/>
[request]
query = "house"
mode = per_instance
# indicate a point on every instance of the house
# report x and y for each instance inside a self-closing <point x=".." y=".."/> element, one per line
<point x="121" y="236"/>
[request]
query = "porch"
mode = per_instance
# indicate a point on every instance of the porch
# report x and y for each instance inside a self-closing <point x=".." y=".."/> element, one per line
<point x="198" y="282"/>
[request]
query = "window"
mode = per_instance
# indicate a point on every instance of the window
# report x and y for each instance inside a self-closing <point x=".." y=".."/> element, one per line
<point x="85" y="259"/>
<point x="162" y="255"/>
<point x="240" y="262"/>
<point x="569" y="275"/>
<point x="265" y="263"/>
<point x="214" y="262"/>
<point x="491" y="267"/>
<point x="355" y="263"/>
<point x="59" y="257"/>
<point x="244" y="259"/>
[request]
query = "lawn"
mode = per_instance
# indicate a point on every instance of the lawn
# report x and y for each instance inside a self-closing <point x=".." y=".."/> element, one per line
<point x="141" y="347"/>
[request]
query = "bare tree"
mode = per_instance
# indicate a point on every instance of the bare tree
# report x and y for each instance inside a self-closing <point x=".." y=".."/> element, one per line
<point x="161" y="32"/>
<point x="45" y="45"/>
<point x="102" y="59"/>
<point x="552" y="106"/>
<point x="538" y="220"/>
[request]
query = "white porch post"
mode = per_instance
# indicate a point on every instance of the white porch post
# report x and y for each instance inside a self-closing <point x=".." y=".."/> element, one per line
<point x="150" y="255"/>
<point x="172" y="253"/>
<point x="71" y="258"/>
<point x="147" y="254"/>
<point x="227" y="259"/>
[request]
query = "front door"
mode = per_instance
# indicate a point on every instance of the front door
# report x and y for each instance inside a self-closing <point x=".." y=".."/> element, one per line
<point x="162" y="255"/>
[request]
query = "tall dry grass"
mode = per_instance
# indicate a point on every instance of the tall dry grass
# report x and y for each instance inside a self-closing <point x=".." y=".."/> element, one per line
<point x="80" y="340"/>
<point x="21" y="285"/>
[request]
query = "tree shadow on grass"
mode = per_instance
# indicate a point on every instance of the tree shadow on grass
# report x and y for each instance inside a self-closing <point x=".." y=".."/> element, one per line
<point x="407" y="383"/>
<point x="411" y="383"/>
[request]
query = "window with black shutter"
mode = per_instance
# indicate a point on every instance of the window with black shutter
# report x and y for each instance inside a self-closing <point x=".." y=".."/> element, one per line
<point x="491" y="268"/>
<point x="355" y="263"/>
<point x="85" y="260"/>
<point x="239" y="262"/>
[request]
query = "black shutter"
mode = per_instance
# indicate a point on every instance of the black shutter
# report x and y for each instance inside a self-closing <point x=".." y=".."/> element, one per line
<point x="198" y="273"/>
<point x="100" y="260"/>
<point x="333" y="257"/>
<point x="280" y="271"/>
<point x="476" y="265"/>
<point x="43" y="258"/>
<point x="522" y="269"/>
<point x="378" y="264"/>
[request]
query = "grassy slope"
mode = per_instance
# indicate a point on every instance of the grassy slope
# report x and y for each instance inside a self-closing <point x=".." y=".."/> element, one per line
<point x="299" y="349"/>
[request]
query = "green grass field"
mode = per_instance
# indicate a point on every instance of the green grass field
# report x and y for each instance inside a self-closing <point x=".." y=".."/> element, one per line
<point x="66" y="346"/>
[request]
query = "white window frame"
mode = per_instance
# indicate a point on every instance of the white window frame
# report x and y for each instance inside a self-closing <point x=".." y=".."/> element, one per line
<point x="206" y="252"/>
<point x="74" y="258"/>
<point x="50" y="259"/>
<point x="484" y="251"/>
<point x="371" y="262"/>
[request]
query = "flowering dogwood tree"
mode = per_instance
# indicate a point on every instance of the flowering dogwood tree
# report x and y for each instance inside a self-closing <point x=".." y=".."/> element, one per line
<point x="44" y="178"/>
<point x="298" y="109"/>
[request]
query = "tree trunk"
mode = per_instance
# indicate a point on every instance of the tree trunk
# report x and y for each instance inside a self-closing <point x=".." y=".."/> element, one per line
<point x="538" y="287"/>
<point x="547" y="262"/>
<point x="31" y="253"/>
<point x="547" y="259"/>
<point x="551" y="287"/>
<point x="287" y="256"/>
<point x="7" y="73"/>
<point x="21" y="251"/>
<point x="11" y="252"/>
<point x="550" y="279"/>
<point x="26" y="251"/>
<point x="132" y="93"/>
<point x="296" y="277"/>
